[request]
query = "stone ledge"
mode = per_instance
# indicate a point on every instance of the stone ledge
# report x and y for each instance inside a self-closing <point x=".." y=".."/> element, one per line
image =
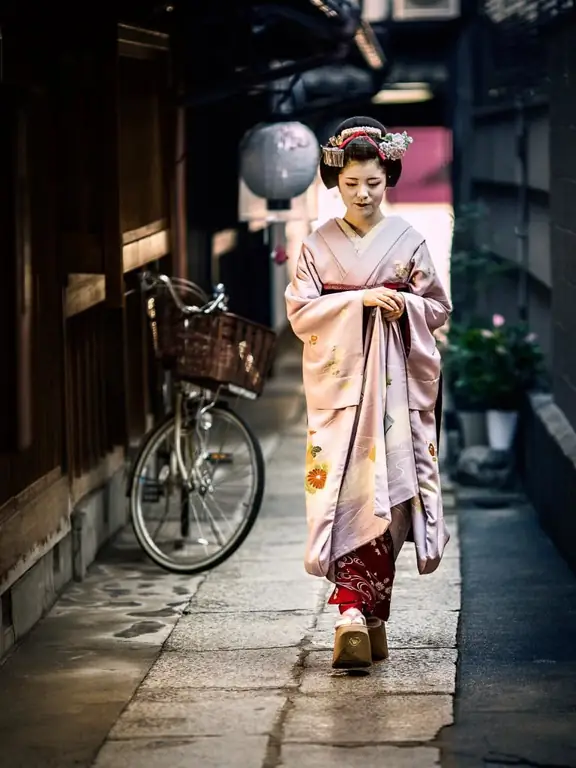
<point x="556" y="424"/>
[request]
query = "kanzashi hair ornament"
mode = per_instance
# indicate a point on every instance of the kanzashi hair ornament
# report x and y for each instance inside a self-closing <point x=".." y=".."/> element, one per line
<point x="392" y="147"/>
<point x="395" y="145"/>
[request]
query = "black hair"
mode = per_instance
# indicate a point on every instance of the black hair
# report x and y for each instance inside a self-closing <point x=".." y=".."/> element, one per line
<point x="360" y="150"/>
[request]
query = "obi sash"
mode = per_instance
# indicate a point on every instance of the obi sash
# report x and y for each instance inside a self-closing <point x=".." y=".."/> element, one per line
<point x="329" y="288"/>
<point x="338" y="287"/>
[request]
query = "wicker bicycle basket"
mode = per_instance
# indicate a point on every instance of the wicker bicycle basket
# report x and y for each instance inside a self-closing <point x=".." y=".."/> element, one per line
<point x="212" y="350"/>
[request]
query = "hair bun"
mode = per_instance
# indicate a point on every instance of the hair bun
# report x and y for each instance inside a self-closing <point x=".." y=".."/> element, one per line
<point x="333" y="160"/>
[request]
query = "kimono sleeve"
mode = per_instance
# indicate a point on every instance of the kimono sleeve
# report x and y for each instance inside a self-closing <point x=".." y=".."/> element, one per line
<point x="331" y="329"/>
<point x="427" y="294"/>
<point x="427" y="309"/>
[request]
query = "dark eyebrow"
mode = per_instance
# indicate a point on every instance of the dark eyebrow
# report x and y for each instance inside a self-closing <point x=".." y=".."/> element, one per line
<point x="355" y="178"/>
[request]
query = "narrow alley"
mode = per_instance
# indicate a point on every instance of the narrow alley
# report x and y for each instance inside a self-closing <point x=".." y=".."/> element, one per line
<point x="286" y="284"/>
<point x="136" y="667"/>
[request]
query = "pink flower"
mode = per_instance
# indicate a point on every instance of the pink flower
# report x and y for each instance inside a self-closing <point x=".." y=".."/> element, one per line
<point x="498" y="321"/>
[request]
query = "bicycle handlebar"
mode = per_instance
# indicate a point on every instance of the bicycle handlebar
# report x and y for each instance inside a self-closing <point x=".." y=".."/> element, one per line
<point x="148" y="281"/>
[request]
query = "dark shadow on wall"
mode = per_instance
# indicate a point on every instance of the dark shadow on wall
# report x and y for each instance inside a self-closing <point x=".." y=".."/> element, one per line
<point x="246" y="273"/>
<point x="548" y="474"/>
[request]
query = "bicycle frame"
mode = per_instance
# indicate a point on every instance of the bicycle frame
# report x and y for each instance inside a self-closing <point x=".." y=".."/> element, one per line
<point x="185" y="393"/>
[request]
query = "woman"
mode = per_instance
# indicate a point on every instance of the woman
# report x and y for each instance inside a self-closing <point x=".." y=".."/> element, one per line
<point x="365" y="301"/>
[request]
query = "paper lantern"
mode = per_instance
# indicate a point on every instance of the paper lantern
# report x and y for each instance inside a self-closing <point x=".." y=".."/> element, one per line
<point x="279" y="162"/>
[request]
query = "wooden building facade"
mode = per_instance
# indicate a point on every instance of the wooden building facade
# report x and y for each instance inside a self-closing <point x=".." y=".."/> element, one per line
<point x="87" y="180"/>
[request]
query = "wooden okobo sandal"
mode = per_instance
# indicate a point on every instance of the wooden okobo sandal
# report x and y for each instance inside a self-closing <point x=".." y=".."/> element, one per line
<point x="352" y="642"/>
<point x="378" y="639"/>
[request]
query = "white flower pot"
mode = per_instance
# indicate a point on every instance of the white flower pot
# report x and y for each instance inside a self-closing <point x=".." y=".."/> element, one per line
<point x="473" y="426"/>
<point x="501" y="429"/>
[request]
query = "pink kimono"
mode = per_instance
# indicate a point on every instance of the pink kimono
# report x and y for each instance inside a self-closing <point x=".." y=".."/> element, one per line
<point x="371" y="390"/>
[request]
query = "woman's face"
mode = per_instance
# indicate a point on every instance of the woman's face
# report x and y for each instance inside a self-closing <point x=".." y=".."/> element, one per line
<point x="362" y="186"/>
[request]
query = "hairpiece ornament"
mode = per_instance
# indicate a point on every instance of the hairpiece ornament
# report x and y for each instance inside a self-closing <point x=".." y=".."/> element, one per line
<point x="395" y="145"/>
<point x="333" y="157"/>
<point x="347" y="133"/>
<point x="392" y="147"/>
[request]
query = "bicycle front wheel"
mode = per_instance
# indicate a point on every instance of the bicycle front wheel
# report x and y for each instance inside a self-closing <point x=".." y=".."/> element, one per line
<point x="190" y="528"/>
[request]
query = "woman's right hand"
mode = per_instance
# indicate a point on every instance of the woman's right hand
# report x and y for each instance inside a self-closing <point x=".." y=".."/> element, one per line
<point x="383" y="297"/>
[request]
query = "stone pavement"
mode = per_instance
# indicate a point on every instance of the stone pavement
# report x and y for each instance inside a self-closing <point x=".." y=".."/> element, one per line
<point x="138" y="668"/>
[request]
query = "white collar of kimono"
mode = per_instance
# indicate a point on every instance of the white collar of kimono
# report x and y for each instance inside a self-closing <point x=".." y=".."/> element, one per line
<point x="375" y="247"/>
<point x="360" y="242"/>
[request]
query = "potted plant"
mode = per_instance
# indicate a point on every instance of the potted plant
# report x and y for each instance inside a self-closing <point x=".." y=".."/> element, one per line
<point x="488" y="371"/>
<point x="463" y="352"/>
<point x="513" y="366"/>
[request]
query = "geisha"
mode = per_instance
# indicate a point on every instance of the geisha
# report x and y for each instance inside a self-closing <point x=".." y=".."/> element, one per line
<point x="365" y="301"/>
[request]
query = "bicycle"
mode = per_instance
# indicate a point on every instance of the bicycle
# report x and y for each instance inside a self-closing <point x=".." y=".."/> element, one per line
<point x="177" y="513"/>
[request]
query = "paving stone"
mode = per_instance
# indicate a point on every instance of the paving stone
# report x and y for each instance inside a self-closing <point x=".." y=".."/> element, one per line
<point x="380" y="756"/>
<point x="224" y="669"/>
<point x="259" y="596"/>
<point x="235" y="571"/>
<point x="426" y="591"/>
<point x="288" y="510"/>
<point x="406" y="629"/>
<point x="204" y="713"/>
<point x="407" y="558"/>
<point x="256" y="552"/>
<point x="236" y="631"/>
<point x="211" y="752"/>
<point x="407" y="567"/>
<point x="406" y="671"/>
<point x="423" y="629"/>
<point x="346" y="720"/>
<point x="273" y="532"/>
<point x="215" y="691"/>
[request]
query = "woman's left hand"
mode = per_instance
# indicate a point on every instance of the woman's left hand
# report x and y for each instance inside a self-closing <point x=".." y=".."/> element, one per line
<point x="391" y="316"/>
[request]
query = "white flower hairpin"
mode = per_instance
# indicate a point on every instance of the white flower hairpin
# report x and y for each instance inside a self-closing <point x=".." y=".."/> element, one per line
<point x="394" y="145"/>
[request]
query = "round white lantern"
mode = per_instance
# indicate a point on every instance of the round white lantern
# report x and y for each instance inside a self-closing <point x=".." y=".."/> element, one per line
<point x="279" y="161"/>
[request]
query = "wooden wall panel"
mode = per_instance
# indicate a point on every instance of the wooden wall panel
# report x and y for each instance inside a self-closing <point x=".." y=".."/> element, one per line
<point x="30" y="293"/>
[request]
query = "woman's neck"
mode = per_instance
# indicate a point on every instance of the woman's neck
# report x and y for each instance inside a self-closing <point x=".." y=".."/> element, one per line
<point x="361" y="224"/>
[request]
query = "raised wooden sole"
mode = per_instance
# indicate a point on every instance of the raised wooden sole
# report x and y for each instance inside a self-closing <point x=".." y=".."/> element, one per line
<point x="352" y="648"/>
<point x="378" y="642"/>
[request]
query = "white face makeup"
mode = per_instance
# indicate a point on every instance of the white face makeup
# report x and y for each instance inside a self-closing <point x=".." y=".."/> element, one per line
<point x="362" y="186"/>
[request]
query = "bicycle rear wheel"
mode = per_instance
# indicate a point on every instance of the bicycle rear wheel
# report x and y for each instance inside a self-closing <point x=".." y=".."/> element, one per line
<point x="190" y="530"/>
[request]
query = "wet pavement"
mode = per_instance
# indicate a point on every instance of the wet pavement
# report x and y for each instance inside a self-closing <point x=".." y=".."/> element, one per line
<point x="245" y="679"/>
<point x="135" y="667"/>
<point x="516" y="700"/>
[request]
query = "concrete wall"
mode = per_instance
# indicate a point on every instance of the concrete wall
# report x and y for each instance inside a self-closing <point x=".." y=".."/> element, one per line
<point x="563" y="215"/>
<point x="495" y="180"/>
<point x="94" y="520"/>
<point x="548" y="444"/>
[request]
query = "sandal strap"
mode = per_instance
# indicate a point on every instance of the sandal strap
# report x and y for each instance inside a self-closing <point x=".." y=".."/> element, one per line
<point x="349" y="617"/>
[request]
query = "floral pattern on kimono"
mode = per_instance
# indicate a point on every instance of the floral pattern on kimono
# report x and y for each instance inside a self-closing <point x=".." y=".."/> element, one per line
<point x="371" y="387"/>
<point x="365" y="577"/>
